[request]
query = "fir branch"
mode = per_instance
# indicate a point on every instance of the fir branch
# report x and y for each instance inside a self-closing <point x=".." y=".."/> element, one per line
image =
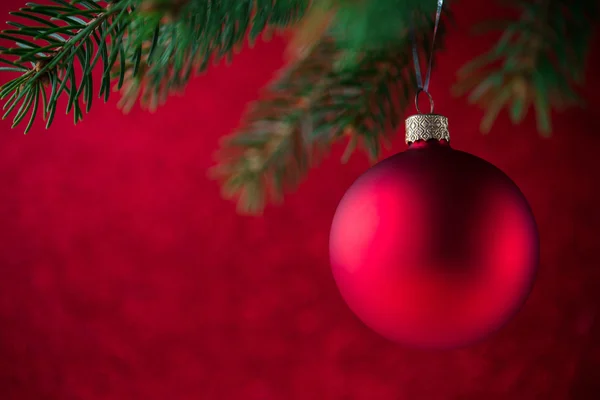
<point x="65" y="39"/>
<point x="539" y="61"/>
<point x="147" y="47"/>
<point x="327" y="94"/>
<point x="378" y="25"/>
<point x="175" y="48"/>
<point x="302" y="113"/>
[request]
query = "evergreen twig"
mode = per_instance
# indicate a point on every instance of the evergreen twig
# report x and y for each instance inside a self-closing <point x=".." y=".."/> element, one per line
<point x="164" y="53"/>
<point x="316" y="101"/>
<point x="539" y="61"/>
<point x="57" y="53"/>
<point x="148" y="47"/>
<point x="312" y="105"/>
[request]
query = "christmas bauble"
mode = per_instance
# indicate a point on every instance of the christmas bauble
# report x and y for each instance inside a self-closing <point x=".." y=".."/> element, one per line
<point x="434" y="247"/>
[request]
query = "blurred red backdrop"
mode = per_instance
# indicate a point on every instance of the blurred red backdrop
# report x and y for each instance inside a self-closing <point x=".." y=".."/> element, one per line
<point x="124" y="275"/>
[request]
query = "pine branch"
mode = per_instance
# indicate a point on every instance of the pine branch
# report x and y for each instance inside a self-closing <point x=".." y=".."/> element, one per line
<point x="317" y="100"/>
<point x="147" y="47"/>
<point x="378" y="25"/>
<point x="539" y="61"/>
<point x="65" y="39"/>
<point x="312" y="105"/>
<point x="193" y="35"/>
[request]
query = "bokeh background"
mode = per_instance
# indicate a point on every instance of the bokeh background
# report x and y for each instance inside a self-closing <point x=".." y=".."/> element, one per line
<point x="124" y="275"/>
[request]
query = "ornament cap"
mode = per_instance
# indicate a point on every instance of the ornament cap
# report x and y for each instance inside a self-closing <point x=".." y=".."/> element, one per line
<point x="426" y="127"/>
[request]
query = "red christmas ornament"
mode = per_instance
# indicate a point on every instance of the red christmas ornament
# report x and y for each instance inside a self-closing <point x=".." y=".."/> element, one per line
<point x="434" y="247"/>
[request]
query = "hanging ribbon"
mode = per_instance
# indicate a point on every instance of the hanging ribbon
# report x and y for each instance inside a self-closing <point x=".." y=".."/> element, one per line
<point x="423" y="87"/>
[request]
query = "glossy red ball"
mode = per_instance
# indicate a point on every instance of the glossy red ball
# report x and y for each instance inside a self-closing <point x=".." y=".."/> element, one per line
<point x="434" y="247"/>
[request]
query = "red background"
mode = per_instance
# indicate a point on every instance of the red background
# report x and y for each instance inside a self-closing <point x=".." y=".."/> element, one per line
<point x="124" y="275"/>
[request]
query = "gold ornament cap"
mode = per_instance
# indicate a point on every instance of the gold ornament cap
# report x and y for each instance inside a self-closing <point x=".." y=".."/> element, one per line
<point x="426" y="127"/>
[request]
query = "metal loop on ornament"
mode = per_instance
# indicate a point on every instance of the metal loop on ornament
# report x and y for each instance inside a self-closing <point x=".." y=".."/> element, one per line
<point x="421" y="90"/>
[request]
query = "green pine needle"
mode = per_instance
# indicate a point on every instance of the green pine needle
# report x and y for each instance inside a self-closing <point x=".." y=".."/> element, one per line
<point x="57" y="54"/>
<point x="148" y="48"/>
<point x="538" y="61"/>
<point x="311" y="105"/>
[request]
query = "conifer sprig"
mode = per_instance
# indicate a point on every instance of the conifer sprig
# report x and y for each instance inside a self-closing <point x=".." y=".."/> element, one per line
<point x="539" y="61"/>
<point x="332" y="93"/>
<point x="311" y="105"/>
<point x="149" y="48"/>
<point x="56" y="52"/>
<point x="175" y="41"/>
